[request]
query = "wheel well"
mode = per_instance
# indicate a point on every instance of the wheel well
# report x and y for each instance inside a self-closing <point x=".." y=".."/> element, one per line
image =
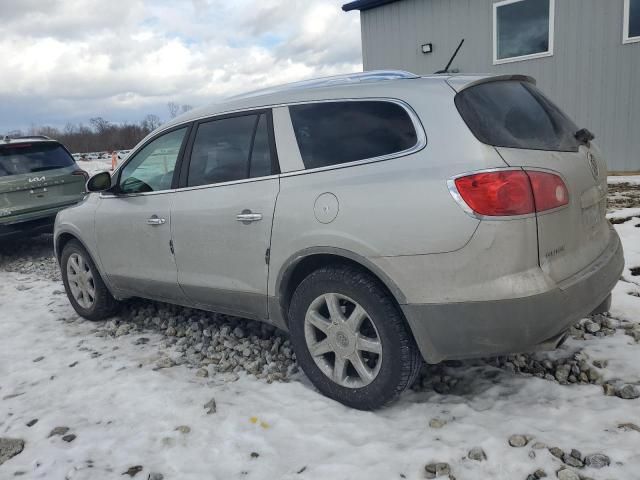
<point x="62" y="240"/>
<point x="310" y="263"/>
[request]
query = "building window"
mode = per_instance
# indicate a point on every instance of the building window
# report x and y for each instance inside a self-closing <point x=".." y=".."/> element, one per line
<point x="631" y="21"/>
<point x="522" y="30"/>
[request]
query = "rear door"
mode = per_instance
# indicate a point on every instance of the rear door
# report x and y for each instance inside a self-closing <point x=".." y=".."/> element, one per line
<point x="37" y="176"/>
<point x="222" y="218"/>
<point x="529" y="131"/>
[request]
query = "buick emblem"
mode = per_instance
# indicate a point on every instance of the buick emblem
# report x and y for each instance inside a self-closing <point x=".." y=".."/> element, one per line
<point x="595" y="171"/>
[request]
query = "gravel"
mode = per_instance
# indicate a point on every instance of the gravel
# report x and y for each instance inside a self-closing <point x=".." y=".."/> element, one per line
<point x="9" y="448"/>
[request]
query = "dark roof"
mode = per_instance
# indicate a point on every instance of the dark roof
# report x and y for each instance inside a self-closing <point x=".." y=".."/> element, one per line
<point x="365" y="4"/>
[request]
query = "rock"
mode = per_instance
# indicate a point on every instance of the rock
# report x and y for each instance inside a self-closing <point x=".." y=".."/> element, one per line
<point x="572" y="461"/>
<point x="9" y="448"/>
<point x="133" y="471"/>
<point x="202" y="372"/>
<point x="165" y="362"/>
<point x="155" y="476"/>
<point x="183" y="429"/>
<point x="437" y="423"/>
<point x="210" y="406"/>
<point x="58" y="431"/>
<point x="540" y="473"/>
<point x="477" y="454"/>
<point x="518" y="441"/>
<point x="238" y="332"/>
<point x="255" y="454"/>
<point x="562" y="373"/>
<point x="69" y="438"/>
<point x="576" y="454"/>
<point x="433" y="470"/>
<point x="597" y="460"/>
<point x="142" y="341"/>
<point x="538" y="446"/>
<point x="628" y="392"/>
<point x="38" y="359"/>
<point x="556" y="452"/>
<point x="591" y="327"/>
<point x="566" y="474"/>
<point x="31" y="423"/>
<point x="609" y="390"/>
<point x="123" y="329"/>
<point x="629" y="426"/>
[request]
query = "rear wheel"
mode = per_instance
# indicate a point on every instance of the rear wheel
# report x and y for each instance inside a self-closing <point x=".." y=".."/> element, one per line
<point x="351" y="339"/>
<point x="87" y="292"/>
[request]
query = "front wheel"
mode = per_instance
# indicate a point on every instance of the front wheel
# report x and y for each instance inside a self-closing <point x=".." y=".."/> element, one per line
<point x="85" y="288"/>
<point x="351" y="339"/>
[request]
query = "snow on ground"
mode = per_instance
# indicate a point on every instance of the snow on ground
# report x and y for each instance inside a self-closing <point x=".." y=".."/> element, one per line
<point x="617" y="179"/>
<point x="124" y="411"/>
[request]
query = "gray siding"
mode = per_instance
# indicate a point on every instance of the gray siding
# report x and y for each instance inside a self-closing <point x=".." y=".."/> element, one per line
<point x="592" y="75"/>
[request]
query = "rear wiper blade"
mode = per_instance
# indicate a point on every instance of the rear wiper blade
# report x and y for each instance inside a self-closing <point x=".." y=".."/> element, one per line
<point x="584" y="135"/>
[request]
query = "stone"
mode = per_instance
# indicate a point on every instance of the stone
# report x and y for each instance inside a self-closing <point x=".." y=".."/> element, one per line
<point x="597" y="460"/>
<point x="433" y="470"/>
<point x="609" y="390"/>
<point x="38" y="359"/>
<point x="9" y="448"/>
<point x="591" y="327"/>
<point x="556" y="452"/>
<point x="58" y="431"/>
<point x="538" y="446"/>
<point x="255" y="454"/>
<point x="133" y="471"/>
<point x="437" y="423"/>
<point x="31" y="423"/>
<point x="211" y="406"/>
<point x="576" y="454"/>
<point x="572" y="461"/>
<point x="165" y="362"/>
<point x="202" y="372"/>
<point x="183" y="429"/>
<point x="69" y="438"/>
<point x="628" y="392"/>
<point x="566" y="474"/>
<point x="155" y="476"/>
<point x="477" y="454"/>
<point x="562" y="373"/>
<point x="540" y="473"/>
<point x="518" y="441"/>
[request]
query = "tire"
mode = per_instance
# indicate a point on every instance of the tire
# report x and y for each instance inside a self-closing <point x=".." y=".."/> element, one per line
<point x="97" y="307"/>
<point x="387" y="374"/>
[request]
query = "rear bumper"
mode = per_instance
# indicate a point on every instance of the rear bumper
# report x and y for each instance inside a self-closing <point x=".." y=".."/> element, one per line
<point x="40" y="221"/>
<point x="459" y="330"/>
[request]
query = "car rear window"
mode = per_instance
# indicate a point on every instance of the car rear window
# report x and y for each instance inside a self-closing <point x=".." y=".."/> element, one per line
<point x="516" y="114"/>
<point x="330" y="133"/>
<point x="21" y="158"/>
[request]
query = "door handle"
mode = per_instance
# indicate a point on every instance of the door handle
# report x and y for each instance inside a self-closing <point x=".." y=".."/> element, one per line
<point x="247" y="216"/>
<point x="154" y="220"/>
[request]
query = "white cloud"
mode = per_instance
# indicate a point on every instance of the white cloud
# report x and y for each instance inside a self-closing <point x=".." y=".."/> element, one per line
<point x="70" y="60"/>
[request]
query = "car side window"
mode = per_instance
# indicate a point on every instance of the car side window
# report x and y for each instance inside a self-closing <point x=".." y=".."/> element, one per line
<point x="230" y="149"/>
<point x="330" y="133"/>
<point x="151" y="169"/>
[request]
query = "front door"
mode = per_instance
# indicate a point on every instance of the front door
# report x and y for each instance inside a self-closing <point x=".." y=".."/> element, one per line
<point x="133" y="225"/>
<point x="221" y="220"/>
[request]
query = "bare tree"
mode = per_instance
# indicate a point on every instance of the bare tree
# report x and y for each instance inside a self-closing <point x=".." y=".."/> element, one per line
<point x="174" y="108"/>
<point x="99" y="124"/>
<point x="151" y="122"/>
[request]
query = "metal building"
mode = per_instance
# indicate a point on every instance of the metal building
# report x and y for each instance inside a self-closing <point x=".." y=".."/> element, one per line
<point x="585" y="54"/>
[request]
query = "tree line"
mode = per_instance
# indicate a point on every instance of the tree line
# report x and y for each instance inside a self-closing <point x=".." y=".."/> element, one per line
<point x="101" y="134"/>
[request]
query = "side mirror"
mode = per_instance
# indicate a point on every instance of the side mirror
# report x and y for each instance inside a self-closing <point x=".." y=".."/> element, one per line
<point x="99" y="182"/>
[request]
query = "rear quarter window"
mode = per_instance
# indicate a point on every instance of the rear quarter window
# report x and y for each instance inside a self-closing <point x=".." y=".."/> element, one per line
<point x="23" y="158"/>
<point x="516" y="114"/>
<point x="331" y="133"/>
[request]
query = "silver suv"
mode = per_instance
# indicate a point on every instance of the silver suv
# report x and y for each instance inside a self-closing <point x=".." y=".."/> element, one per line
<point x="381" y="218"/>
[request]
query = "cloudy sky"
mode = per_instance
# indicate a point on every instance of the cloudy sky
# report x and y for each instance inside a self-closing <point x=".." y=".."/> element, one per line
<point x="70" y="60"/>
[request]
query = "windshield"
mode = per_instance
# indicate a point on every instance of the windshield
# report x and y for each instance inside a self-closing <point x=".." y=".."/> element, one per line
<point x="21" y="158"/>
<point x="517" y="115"/>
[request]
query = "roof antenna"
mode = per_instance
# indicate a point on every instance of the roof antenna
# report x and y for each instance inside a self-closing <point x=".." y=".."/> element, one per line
<point x="446" y="69"/>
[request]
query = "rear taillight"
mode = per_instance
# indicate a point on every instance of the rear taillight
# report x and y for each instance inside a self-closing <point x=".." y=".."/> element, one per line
<point x="82" y="173"/>
<point x="511" y="192"/>
<point x="549" y="191"/>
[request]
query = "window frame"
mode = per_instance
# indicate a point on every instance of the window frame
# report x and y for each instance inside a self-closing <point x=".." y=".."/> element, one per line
<point x="421" y="137"/>
<point x="114" y="191"/>
<point x="521" y="58"/>
<point x="182" y="183"/>
<point x="626" y="39"/>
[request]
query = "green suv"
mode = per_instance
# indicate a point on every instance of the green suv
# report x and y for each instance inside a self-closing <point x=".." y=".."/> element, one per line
<point x="38" y="178"/>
